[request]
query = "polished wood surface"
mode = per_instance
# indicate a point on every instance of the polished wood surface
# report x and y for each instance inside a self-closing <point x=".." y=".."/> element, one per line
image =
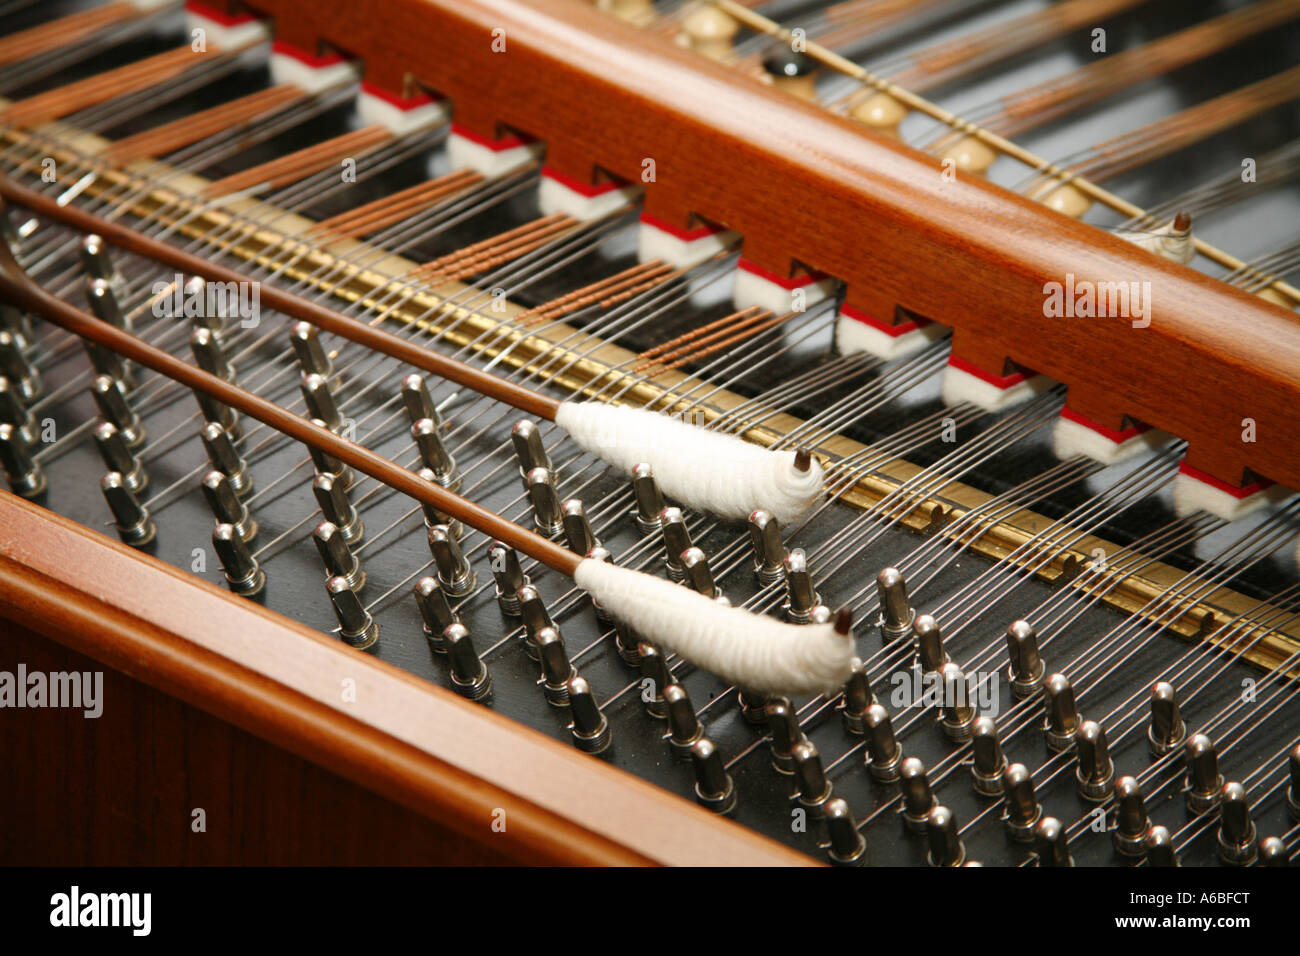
<point x="155" y="782"/>
<point x="413" y="743"/>
<point x="810" y="190"/>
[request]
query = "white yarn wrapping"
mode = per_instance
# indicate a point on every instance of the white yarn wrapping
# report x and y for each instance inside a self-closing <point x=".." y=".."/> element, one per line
<point x="752" y="651"/>
<point x="702" y="469"/>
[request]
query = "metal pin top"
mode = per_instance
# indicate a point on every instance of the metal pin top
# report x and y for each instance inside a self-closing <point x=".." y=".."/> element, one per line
<point x="577" y="529"/>
<point x="944" y="837"/>
<point x="1051" y="843"/>
<point x="356" y="626"/>
<point x="649" y="500"/>
<point x="305" y="339"/>
<point x="847" y="847"/>
<point x="416" y="400"/>
<point x="1062" y="714"/>
<point x="769" y="548"/>
<point x="929" y="643"/>
<point x="896" y="613"/>
<point x="530" y="451"/>
<point x="1027" y="668"/>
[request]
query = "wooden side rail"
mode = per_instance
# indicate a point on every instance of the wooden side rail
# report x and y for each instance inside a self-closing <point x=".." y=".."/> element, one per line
<point x="417" y="744"/>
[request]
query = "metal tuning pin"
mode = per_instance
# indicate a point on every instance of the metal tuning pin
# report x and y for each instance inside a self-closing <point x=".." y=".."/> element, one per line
<point x="1272" y="852"/>
<point x="769" y="548"/>
<point x="649" y="499"/>
<point x="753" y="707"/>
<point x="454" y="572"/>
<point x="676" y="540"/>
<point x="134" y="524"/>
<point x="18" y="368"/>
<point x="225" y="458"/>
<point x="118" y="456"/>
<point x="1062" y="718"/>
<point x="1236" y="836"/>
<point x="699" y="576"/>
<point x="990" y="763"/>
<point x="508" y="575"/>
<point x="944" y="837"/>
<point x="14" y="412"/>
<point x="1131" y="821"/>
<point x="713" y="785"/>
<point x="1159" y="847"/>
<point x="590" y="728"/>
<point x="469" y="675"/>
<point x="356" y="626"/>
<point x="96" y="261"/>
<point x="104" y="304"/>
<point x="1293" y="790"/>
<point x="958" y="716"/>
<point x="320" y="401"/>
<point x="1167" y="731"/>
<point x="25" y="474"/>
<point x="327" y="464"/>
<point x="111" y="364"/>
<point x="847" y="847"/>
<point x="338" y="558"/>
<point x="556" y="666"/>
<point x="221" y="413"/>
<point x="210" y="354"/>
<point x="434" y="454"/>
<point x="244" y="575"/>
<point x="683" y="726"/>
<point x="110" y="397"/>
<point x="14" y="320"/>
<point x="416" y="400"/>
<point x="1051" y="843"/>
<point x="918" y="799"/>
<point x="857" y="698"/>
<point x="535" y="616"/>
<point x="226" y="506"/>
<point x="655" y="676"/>
<point x="1027" y="668"/>
<point x="527" y="439"/>
<point x="312" y="360"/>
<point x="577" y="528"/>
<point x="810" y="778"/>
<point x="436" y="613"/>
<point x="783" y="726"/>
<point x="1204" y="782"/>
<point x="1095" y="772"/>
<point x="335" y="506"/>
<point x="929" y="643"/>
<point x="1023" y="810"/>
<point x="883" y="752"/>
<point x="433" y="515"/>
<point x="203" y="310"/>
<point x="896" y="614"/>
<point x="801" y="596"/>
<point x="547" y="513"/>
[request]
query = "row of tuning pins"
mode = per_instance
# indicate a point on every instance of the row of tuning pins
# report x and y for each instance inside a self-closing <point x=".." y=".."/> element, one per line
<point x="1064" y="730"/>
<point x="667" y="699"/>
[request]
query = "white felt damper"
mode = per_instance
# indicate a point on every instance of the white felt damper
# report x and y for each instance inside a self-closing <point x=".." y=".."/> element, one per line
<point x="287" y="69"/>
<point x="752" y="651"/>
<point x="375" y="110"/>
<point x="750" y="289"/>
<point x="465" y="153"/>
<point x="1071" y="438"/>
<point x="1192" y="495"/>
<point x="702" y="469"/>
<point x="554" y="197"/>
<point x="654" y="243"/>
<point x="961" y="386"/>
<point x="226" y="36"/>
<point x="852" y="335"/>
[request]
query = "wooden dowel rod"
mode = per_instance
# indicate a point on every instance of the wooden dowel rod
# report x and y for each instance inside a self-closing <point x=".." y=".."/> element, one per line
<point x="485" y="383"/>
<point x="17" y="288"/>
